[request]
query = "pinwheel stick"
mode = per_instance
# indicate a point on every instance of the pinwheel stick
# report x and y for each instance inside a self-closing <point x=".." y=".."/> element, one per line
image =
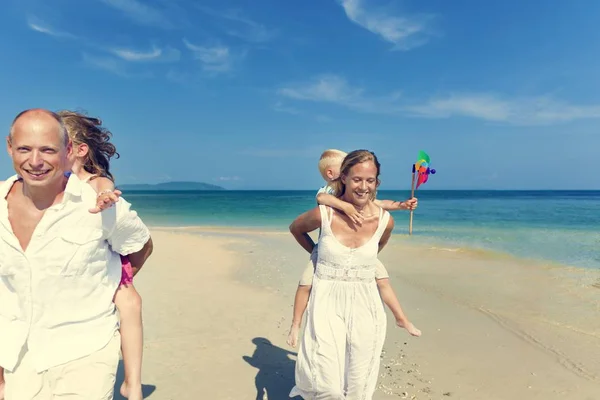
<point x="412" y="194"/>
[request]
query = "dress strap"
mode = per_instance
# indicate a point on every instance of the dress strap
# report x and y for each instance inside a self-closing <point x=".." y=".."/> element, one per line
<point x="89" y="178"/>
<point x="384" y="217"/>
<point x="326" y="216"/>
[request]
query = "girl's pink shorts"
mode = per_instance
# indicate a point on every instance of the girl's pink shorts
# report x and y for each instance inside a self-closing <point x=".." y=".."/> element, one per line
<point x="126" y="271"/>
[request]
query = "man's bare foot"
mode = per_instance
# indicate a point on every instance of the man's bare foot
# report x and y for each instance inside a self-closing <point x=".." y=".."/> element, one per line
<point x="132" y="392"/>
<point x="409" y="327"/>
<point x="292" y="339"/>
<point x="2" y="384"/>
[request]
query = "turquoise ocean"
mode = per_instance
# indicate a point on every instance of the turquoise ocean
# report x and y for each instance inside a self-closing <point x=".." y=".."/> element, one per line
<point x="555" y="226"/>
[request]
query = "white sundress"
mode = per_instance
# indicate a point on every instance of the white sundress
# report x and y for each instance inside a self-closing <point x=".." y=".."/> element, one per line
<point x="340" y="350"/>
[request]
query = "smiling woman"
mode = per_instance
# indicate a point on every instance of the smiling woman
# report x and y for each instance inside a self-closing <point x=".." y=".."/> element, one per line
<point x="346" y="324"/>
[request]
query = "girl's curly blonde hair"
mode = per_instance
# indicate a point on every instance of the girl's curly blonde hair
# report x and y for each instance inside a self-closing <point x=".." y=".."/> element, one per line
<point x="83" y="129"/>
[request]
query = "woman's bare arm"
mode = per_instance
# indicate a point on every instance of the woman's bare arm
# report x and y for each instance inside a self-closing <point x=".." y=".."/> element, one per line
<point x="303" y="224"/>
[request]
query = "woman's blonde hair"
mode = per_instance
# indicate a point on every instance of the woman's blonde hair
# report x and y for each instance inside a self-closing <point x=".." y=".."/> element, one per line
<point x="353" y="158"/>
<point x="89" y="130"/>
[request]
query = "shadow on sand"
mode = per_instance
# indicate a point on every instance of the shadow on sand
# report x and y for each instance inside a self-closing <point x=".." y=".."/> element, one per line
<point x="147" y="390"/>
<point x="275" y="377"/>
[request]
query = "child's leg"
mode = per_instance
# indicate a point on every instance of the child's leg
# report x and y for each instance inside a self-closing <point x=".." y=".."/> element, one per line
<point x="391" y="301"/>
<point x="2" y="384"/>
<point x="301" y="301"/>
<point x="129" y="304"/>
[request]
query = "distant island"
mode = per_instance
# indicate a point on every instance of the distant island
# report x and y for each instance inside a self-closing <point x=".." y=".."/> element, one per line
<point x="170" y="186"/>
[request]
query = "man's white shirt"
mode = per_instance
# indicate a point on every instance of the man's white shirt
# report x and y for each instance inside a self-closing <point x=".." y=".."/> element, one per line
<point x="56" y="297"/>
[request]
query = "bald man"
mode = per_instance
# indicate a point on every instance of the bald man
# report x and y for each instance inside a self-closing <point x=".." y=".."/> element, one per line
<point x="59" y="270"/>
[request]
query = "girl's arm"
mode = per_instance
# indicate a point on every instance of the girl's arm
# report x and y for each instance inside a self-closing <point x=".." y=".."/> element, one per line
<point x="107" y="195"/>
<point x="307" y="222"/>
<point x="330" y="200"/>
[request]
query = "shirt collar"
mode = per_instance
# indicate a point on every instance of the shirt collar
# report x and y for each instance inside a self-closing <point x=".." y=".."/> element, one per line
<point x="73" y="190"/>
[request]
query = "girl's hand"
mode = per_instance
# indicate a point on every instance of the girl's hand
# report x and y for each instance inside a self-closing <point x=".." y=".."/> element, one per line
<point x="105" y="199"/>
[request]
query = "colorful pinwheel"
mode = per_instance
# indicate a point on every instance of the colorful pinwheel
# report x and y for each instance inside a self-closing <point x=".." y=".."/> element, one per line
<point x="422" y="171"/>
<point x="422" y="168"/>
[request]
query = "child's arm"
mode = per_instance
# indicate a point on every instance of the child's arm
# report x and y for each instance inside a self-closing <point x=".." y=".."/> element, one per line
<point x="339" y="204"/>
<point x="107" y="195"/>
<point x="391" y="205"/>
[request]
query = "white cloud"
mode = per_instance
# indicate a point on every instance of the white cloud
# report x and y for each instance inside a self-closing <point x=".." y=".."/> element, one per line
<point x="167" y="54"/>
<point x="227" y="178"/>
<point x="283" y="153"/>
<point x="242" y="26"/>
<point x="104" y="63"/>
<point x="540" y="110"/>
<point x="214" y="58"/>
<point x="403" y="32"/>
<point x="39" y="26"/>
<point x="335" y="89"/>
<point x="280" y="107"/>
<point x="111" y="65"/>
<point x="140" y="12"/>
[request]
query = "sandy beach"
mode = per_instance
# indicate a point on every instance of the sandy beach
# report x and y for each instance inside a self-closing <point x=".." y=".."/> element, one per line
<point x="218" y="303"/>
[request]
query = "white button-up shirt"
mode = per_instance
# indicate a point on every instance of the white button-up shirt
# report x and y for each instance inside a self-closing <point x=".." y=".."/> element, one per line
<point x="57" y="296"/>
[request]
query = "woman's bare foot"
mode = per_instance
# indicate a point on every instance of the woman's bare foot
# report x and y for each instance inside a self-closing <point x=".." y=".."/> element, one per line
<point x="132" y="392"/>
<point x="292" y="339"/>
<point x="409" y="327"/>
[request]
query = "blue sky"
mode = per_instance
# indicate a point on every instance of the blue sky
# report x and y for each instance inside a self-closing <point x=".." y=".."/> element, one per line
<point x="502" y="95"/>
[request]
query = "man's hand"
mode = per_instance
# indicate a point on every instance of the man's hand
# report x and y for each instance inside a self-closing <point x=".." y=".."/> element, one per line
<point x="105" y="199"/>
<point x="353" y="213"/>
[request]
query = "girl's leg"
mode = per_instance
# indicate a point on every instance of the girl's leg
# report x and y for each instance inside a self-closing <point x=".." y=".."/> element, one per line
<point x="129" y="304"/>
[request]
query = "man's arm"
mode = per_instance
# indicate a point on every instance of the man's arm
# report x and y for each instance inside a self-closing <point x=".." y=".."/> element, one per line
<point x="138" y="258"/>
<point x="330" y="200"/>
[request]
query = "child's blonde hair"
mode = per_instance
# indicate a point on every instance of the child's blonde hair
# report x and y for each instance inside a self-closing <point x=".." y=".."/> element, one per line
<point x="328" y="158"/>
